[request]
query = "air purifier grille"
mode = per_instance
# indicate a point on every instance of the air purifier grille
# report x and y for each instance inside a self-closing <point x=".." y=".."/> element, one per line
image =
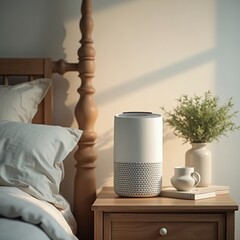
<point x="138" y="179"/>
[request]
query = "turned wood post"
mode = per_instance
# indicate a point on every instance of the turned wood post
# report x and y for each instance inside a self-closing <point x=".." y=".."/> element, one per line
<point x="86" y="114"/>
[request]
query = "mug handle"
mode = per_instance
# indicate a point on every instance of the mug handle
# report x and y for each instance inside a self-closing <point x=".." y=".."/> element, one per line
<point x="196" y="176"/>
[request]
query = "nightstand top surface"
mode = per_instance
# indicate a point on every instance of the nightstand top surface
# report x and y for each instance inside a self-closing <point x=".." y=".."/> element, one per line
<point x="107" y="200"/>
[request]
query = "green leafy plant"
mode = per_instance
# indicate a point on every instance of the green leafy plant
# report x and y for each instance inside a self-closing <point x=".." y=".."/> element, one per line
<point x="200" y="119"/>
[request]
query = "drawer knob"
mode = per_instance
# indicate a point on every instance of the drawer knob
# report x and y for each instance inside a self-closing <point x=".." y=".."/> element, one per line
<point x="163" y="231"/>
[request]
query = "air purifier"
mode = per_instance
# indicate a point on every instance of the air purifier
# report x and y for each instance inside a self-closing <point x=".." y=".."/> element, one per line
<point x="138" y="154"/>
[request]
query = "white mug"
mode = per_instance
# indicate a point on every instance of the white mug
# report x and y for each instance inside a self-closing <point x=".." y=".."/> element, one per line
<point x="185" y="179"/>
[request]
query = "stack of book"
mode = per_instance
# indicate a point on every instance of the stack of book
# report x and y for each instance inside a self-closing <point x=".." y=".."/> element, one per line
<point x="196" y="193"/>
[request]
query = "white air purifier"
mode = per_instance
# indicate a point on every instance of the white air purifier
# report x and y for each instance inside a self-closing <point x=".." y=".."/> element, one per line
<point x="138" y="154"/>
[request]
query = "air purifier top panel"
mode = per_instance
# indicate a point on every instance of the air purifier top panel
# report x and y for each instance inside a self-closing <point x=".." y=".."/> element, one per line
<point x="138" y="115"/>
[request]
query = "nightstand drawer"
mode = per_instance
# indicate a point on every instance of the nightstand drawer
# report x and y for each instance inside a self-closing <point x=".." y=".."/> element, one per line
<point x="146" y="226"/>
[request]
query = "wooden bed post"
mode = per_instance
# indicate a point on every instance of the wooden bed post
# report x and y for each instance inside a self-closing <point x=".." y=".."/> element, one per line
<point x="86" y="114"/>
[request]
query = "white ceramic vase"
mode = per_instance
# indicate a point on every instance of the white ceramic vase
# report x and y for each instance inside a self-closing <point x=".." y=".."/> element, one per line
<point x="199" y="157"/>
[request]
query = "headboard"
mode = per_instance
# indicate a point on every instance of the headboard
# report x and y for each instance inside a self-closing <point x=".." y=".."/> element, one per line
<point x="19" y="70"/>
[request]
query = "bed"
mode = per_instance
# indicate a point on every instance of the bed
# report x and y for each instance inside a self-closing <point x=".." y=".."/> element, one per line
<point x="33" y="150"/>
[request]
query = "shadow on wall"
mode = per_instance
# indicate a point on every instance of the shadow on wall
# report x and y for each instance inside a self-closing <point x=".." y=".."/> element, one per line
<point x="105" y="155"/>
<point x="154" y="77"/>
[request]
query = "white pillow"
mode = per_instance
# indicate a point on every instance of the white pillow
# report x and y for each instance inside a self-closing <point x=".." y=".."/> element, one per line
<point x="31" y="158"/>
<point x="20" y="102"/>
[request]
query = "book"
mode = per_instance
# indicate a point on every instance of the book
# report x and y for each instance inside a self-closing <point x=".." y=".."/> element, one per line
<point x="193" y="194"/>
<point x="218" y="189"/>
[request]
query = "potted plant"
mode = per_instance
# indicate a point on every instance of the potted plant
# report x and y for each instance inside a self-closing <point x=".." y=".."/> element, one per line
<point x="199" y="120"/>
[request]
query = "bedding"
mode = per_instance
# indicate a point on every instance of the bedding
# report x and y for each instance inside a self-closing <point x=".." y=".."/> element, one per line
<point x="26" y="214"/>
<point x="22" y="230"/>
<point x="20" y="102"/>
<point x="31" y="158"/>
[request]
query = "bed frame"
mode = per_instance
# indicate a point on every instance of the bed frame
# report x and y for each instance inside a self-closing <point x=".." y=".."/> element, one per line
<point x="85" y="113"/>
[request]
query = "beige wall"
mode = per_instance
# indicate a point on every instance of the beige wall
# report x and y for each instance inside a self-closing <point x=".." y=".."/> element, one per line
<point x="148" y="54"/>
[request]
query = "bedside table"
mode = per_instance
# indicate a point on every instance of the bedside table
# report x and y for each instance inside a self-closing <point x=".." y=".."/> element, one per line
<point x="118" y="218"/>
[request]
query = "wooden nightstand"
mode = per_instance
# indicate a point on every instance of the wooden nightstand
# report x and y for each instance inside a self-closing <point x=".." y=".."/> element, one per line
<point x="163" y="218"/>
